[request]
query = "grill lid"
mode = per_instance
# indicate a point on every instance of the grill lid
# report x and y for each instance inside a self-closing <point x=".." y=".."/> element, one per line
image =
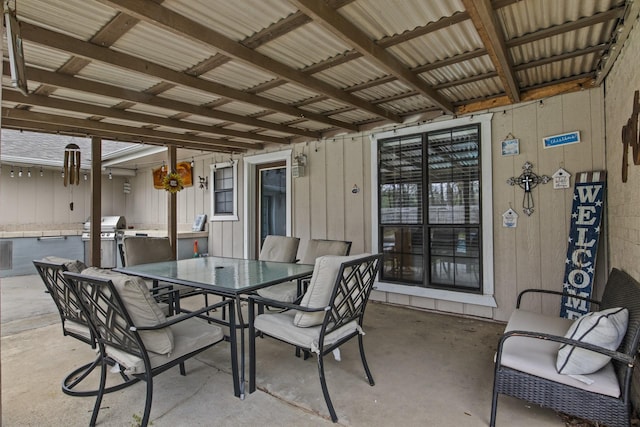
<point x="108" y="223"/>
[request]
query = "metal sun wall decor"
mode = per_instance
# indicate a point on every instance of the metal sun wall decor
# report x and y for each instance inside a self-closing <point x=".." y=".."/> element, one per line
<point x="528" y="180"/>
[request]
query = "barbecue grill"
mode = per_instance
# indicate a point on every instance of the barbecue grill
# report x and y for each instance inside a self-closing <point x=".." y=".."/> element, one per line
<point x="111" y="233"/>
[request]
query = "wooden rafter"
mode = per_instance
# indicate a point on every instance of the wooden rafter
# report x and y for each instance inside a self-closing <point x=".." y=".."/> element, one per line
<point x="484" y="19"/>
<point x="180" y="25"/>
<point x="126" y="131"/>
<point x="96" y="110"/>
<point x="129" y="62"/>
<point x="340" y="26"/>
<point x="84" y="85"/>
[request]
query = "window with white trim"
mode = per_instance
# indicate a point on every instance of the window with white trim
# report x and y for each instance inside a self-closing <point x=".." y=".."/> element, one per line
<point x="224" y="191"/>
<point x="432" y="210"/>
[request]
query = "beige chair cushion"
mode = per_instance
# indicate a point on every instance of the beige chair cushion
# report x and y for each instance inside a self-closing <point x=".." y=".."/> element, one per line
<point x="317" y="248"/>
<point x="72" y="265"/>
<point x="285" y="292"/>
<point x="189" y="335"/>
<point x="142" y="308"/>
<point x="281" y="326"/>
<point x="144" y="250"/>
<point x="279" y="249"/>
<point x="538" y="357"/>
<point x="318" y="294"/>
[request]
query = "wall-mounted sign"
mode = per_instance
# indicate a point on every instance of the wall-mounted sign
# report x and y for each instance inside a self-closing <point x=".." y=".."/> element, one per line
<point x="586" y="215"/>
<point x="562" y="139"/>
<point x="510" y="218"/>
<point x="561" y="179"/>
<point x="510" y="147"/>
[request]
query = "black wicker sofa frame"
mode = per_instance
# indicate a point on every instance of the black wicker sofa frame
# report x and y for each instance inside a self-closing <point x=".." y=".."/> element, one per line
<point x="621" y="291"/>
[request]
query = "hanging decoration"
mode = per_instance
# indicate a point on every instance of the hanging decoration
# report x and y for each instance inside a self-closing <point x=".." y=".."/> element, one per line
<point x="528" y="180"/>
<point x="510" y="145"/>
<point x="71" y="165"/>
<point x="561" y="179"/>
<point x="510" y="218"/>
<point x="172" y="182"/>
<point x="183" y="169"/>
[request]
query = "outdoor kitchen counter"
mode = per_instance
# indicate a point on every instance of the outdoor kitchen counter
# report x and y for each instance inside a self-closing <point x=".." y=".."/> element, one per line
<point x="163" y="233"/>
<point x="38" y="233"/>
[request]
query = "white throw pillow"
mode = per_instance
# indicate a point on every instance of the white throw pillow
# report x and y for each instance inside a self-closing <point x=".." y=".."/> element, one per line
<point x="602" y="328"/>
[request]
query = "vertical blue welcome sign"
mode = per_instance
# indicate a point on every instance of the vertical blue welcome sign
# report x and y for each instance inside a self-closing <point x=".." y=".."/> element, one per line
<point x="586" y="215"/>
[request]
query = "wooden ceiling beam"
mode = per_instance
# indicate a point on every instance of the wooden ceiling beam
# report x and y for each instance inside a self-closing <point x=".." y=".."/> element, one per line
<point x="85" y="85"/>
<point x="129" y="62"/>
<point x="58" y="129"/>
<point x="129" y="131"/>
<point x="81" y="107"/>
<point x="341" y="27"/>
<point x="185" y="27"/>
<point x="487" y="26"/>
<point x="530" y="94"/>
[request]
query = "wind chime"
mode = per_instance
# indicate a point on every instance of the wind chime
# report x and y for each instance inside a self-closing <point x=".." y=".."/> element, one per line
<point x="71" y="168"/>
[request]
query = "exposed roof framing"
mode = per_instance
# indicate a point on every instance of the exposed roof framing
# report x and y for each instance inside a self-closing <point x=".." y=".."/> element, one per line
<point x="233" y="76"/>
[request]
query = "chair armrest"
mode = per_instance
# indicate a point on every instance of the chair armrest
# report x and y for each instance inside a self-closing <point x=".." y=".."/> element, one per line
<point x="622" y="357"/>
<point x="280" y="304"/>
<point x="550" y="292"/>
<point x="183" y="317"/>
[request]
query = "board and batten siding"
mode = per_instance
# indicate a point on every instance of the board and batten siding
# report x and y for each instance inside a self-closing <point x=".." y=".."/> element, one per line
<point x="324" y="206"/>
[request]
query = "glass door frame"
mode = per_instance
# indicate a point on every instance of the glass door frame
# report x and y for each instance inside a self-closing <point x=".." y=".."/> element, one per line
<point x="250" y="196"/>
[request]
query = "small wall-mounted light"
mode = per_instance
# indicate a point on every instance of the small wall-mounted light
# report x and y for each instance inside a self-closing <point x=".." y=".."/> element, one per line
<point x="41" y="171"/>
<point x="62" y="173"/>
<point x="86" y="177"/>
<point x="12" y="174"/>
<point x="29" y="173"/>
<point x="20" y="173"/>
<point x="110" y="174"/>
<point x="193" y="163"/>
<point x="163" y="167"/>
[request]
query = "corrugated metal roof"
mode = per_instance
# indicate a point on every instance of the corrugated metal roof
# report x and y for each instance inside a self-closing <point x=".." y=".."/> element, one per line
<point x="276" y="64"/>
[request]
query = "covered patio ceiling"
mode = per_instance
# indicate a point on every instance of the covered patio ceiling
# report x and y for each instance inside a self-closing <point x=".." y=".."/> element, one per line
<point x="232" y="76"/>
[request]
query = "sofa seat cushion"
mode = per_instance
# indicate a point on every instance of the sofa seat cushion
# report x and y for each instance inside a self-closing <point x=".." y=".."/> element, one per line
<point x="142" y="307"/>
<point x="78" y="329"/>
<point x="281" y="326"/>
<point x="538" y="357"/>
<point x="189" y="335"/>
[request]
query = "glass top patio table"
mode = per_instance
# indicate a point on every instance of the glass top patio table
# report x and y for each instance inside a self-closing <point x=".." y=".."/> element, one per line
<point x="220" y="275"/>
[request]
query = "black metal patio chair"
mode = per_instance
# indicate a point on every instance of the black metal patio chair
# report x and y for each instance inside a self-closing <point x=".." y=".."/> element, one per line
<point x="331" y="313"/>
<point x="130" y="329"/>
<point x="74" y="322"/>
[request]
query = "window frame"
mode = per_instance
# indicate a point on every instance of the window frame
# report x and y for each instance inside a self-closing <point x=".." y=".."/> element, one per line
<point x="486" y="298"/>
<point x="213" y="168"/>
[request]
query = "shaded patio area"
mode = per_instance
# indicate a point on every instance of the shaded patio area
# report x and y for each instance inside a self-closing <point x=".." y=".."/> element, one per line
<point x="430" y="369"/>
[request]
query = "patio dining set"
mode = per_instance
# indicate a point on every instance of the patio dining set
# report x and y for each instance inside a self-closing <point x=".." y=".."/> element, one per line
<point x="134" y="318"/>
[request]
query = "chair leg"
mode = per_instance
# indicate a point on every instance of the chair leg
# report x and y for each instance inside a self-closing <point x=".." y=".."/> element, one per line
<point x="494" y="405"/>
<point x="325" y="390"/>
<point x="183" y="371"/>
<point x="252" y="349"/>
<point x="147" y="404"/>
<point x="103" y="382"/>
<point x="364" y="360"/>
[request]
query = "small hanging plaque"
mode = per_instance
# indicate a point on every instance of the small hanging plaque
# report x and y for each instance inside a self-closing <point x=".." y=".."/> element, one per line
<point x="510" y="218"/>
<point x="561" y="179"/>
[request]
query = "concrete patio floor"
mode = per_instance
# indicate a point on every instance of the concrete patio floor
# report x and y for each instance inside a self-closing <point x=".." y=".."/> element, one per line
<point x="430" y="370"/>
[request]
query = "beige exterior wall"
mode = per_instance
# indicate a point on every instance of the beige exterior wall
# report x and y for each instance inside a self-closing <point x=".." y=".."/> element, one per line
<point x="623" y="198"/>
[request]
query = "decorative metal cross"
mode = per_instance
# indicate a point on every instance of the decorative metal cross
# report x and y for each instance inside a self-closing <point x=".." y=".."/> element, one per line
<point x="528" y="180"/>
